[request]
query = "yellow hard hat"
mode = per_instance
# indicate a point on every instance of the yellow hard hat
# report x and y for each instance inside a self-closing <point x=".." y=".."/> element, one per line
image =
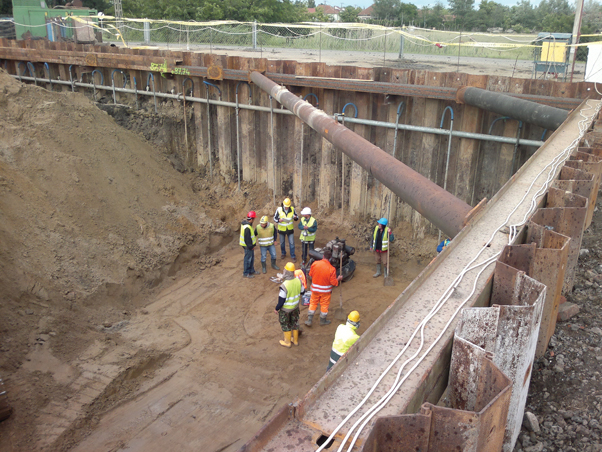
<point x="290" y="267"/>
<point x="264" y="219"/>
<point x="286" y="202"/>
<point x="354" y="316"/>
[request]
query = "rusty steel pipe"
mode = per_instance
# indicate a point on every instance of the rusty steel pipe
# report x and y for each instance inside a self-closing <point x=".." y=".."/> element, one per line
<point x="523" y="110"/>
<point x="440" y="207"/>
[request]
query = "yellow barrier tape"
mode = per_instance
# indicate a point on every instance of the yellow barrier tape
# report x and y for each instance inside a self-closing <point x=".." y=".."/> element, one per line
<point x="531" y="41"/>
<point x="87" y="22"/>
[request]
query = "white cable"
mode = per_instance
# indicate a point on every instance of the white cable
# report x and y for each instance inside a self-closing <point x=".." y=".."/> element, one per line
<point x="513" y="231"/>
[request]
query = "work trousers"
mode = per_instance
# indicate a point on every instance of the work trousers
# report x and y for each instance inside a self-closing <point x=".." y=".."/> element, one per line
<point x="249" y="262"/>
<point x="381" y="257"/>
<point x="264" y="252"/>
<point x="305" y="247"/>
<point x="291" y="244"/>
<point x="322" y="299"/>
<point x="289" y="320"/>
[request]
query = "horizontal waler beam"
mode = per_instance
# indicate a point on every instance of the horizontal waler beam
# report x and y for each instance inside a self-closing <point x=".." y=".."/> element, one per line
<point x="94" y="59"/>
<point x="370" y="86"/>
<point x="117" y="58"/>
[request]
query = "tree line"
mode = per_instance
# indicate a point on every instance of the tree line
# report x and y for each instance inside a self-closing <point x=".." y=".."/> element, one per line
<point x="461" y="15"/>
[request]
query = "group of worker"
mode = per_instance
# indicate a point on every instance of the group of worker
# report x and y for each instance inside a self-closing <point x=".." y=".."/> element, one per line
<point x="322" y="272"/>
<point x="266" y="236"/>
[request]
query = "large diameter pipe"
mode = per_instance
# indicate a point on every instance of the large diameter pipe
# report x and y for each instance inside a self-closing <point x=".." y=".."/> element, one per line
<point x="523" y="110"/>
<point x="440" y="207"/>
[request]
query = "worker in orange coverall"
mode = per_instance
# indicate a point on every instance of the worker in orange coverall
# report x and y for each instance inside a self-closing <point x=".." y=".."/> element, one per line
<point x="323" y="276"/>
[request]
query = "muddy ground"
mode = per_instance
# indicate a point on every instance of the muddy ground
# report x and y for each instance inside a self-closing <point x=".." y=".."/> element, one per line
<point x="125" y="323"/>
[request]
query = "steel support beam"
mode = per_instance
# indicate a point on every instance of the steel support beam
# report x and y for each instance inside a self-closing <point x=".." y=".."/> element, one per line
<point x="371" y="86"/>
<point x="523" y="110"/>
<point x="443" y="209"/>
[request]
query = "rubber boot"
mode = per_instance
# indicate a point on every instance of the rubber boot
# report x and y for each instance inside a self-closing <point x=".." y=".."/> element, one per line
<point x="287" y="339"/>
<point x="274" y="266"/>
<point x="323" y="321"/>
<point x="377" y="274"/>
<point x="296" y="337"/>
<point x="310" y="318"/>
<point x="263" y="267"/>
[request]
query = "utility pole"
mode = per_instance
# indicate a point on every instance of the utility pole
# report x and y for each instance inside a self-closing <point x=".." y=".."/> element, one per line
<point x="576" y="35"/>
<point x="118" y="15"/>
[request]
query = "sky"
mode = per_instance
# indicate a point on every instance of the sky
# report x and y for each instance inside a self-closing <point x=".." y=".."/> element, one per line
<point x="418" y="3"/>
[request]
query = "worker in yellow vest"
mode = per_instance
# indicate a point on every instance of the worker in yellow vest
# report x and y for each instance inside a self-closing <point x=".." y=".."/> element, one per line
<point x="267" y="235"/>
<point x="288" y="305"/>
<point x="308" y="226"/>
<point x="284" y="216"/>
<point x="344" y="337"/>
<point x="380" y="244"/>
<point x="248" y="240"/>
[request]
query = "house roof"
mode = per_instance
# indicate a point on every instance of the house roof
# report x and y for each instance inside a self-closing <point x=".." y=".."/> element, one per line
<point x="327" y="9"/>
<point x="367" y="11"/>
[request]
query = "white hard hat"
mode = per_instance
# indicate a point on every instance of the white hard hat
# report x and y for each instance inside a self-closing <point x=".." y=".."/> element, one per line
<point x="306" y="211"/>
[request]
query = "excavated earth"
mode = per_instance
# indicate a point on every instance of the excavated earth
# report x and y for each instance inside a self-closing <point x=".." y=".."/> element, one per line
<point x="124" y="320"/>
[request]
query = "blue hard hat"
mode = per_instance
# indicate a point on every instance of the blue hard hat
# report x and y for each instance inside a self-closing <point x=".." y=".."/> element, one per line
<point x="383" y="221"/>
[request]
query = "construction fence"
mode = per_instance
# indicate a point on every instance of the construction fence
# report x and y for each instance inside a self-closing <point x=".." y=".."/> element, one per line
<point x="391" y="43"/>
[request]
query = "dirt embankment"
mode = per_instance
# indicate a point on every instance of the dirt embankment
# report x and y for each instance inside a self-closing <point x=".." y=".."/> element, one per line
<point x="92" y="217"/>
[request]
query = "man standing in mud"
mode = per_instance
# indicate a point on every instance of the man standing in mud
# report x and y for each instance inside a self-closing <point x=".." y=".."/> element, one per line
<point x="248" y="239"/>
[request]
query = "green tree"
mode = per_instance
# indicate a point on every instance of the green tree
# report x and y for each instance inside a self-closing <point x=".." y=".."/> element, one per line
<point x="556" y="16"/>
<point x="386" y="9"/>
<point x="464" y="12"/>
<point x="592" y="17"/>
<point x="350" y="14"/>
<point x="6" y="8"/>
<point x="491" y="14"/>
<point x="523" y="17"/>
<point x="408" y="12"/>
<point x="434" y="16"/>
<point x="311" y="3"/>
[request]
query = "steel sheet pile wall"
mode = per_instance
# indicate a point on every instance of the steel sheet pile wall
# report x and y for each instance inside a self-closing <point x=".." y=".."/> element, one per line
<point x="477" y="169"/>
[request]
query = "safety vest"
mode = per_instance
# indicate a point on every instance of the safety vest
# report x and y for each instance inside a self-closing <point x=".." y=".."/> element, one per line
<point x="242" y="234"/>
<point x="265" y="236"/>
<point x="307" y="236"/>
<point x="285" y="220"/>
<point x="344" y="338"/>
<point x="385" y="239"/>
<point x="293" y="293"/>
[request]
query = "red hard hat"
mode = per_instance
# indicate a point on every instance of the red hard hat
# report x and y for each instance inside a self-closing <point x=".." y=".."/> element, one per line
<point x="251" y="214"/>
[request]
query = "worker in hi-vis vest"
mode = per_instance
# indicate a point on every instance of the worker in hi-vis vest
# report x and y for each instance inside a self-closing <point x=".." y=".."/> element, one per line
<point x="288" y="305"/>
<point x="381" y="239"/>
<point x="284" y="216"/>
<point x="308" y="226"/>
<point x="323" y="277"/>
<point x="344" y="337"/>
<point x="267" y="235"/>
<point x="248" y="241"/>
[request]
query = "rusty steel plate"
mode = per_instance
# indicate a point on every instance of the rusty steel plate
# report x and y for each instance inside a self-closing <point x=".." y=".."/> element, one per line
<point x="91" y="60"/>
<point x="215" y="72"/>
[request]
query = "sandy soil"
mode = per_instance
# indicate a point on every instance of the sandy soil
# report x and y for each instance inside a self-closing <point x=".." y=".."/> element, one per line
<point x="125" y="322"/>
